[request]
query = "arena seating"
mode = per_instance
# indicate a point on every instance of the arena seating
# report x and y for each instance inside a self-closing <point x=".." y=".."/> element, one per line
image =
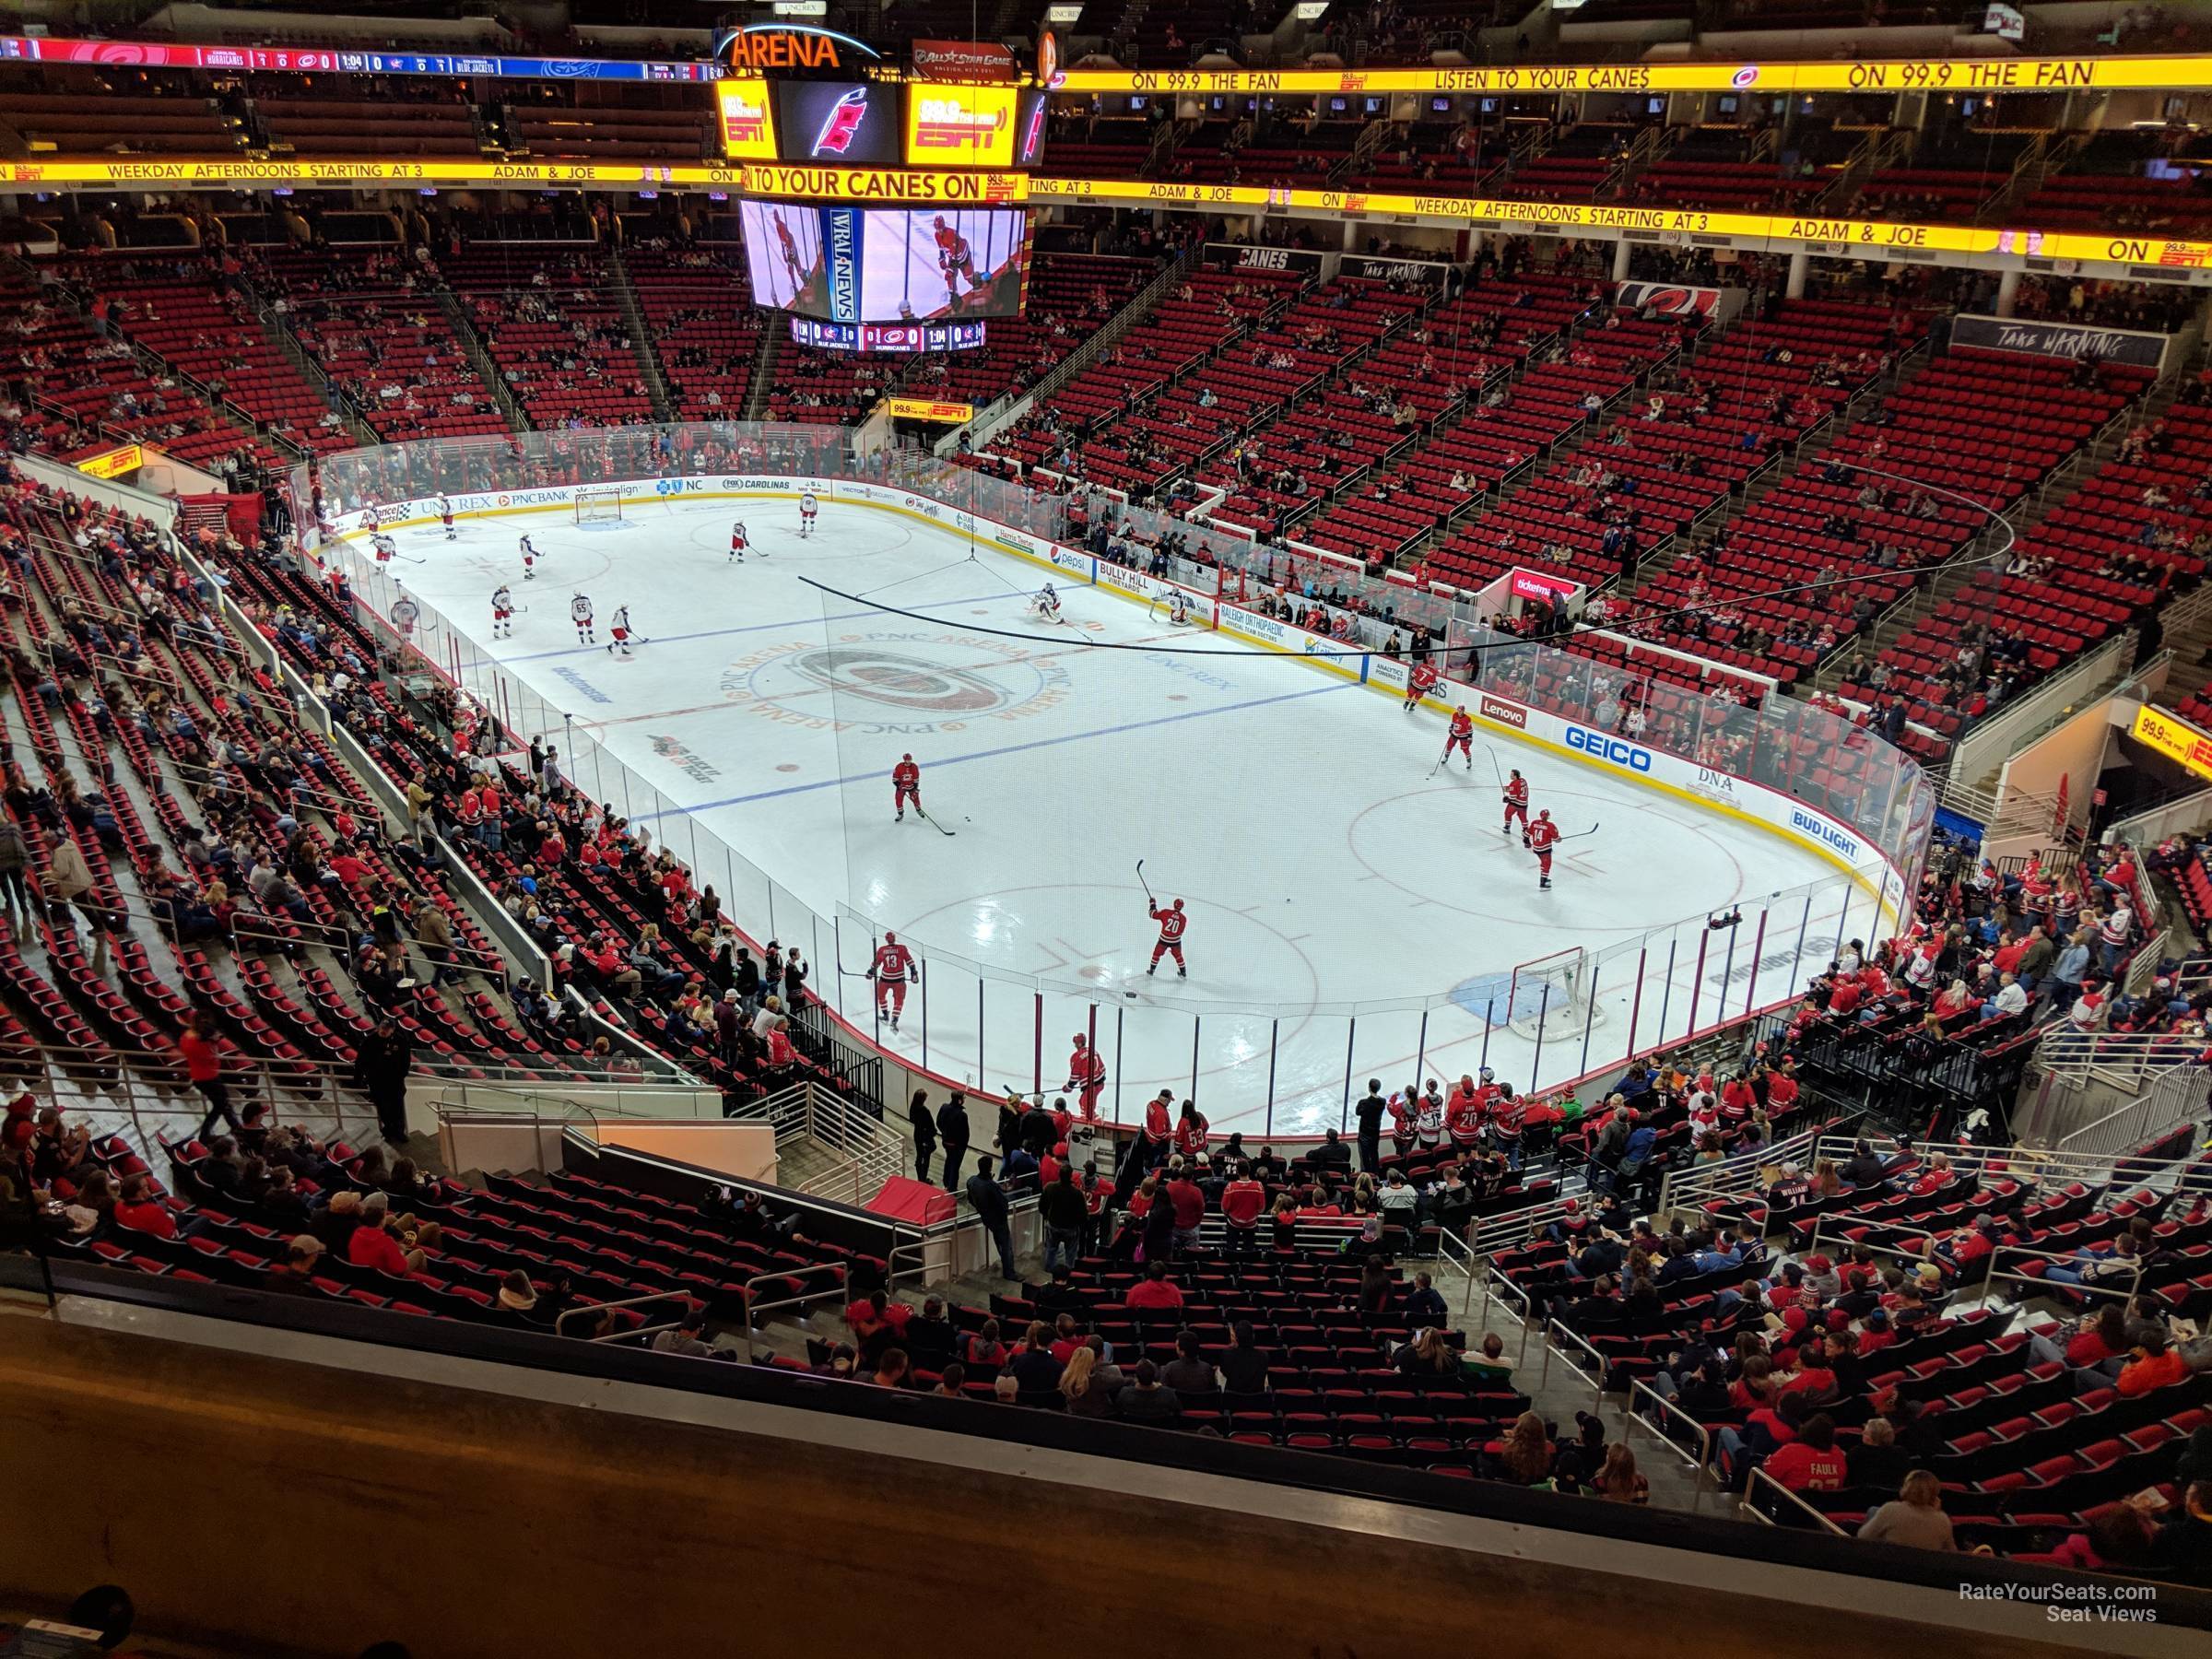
<point x="576" y="1240"/>
<point x="371" y="318"/>
<point x="1185" y="329"/>
<point x="2073" y="580"/>
<point x="1750" y="389"/>
<point x="1958" y="427"/>
<point x="1491" y="429"/>
<point x="1071" y="297"/>
<point x="609" y="123"/>
<point x="166" y="688"/>
<point x="88" y="392"/>
<point x="705" y="331"/>
<point x="432" y="119"/>
<point x="553" y="325"/>
<point x="82" y="112"/>
<point x="187" y="313"/>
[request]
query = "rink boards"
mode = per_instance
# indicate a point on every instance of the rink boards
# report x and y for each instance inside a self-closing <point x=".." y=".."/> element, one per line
<point x="1718" y="792"/>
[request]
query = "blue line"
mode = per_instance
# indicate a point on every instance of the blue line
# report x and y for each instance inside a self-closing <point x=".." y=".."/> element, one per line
<point x="1011" y="748"/>
<point x="716" y="633"/>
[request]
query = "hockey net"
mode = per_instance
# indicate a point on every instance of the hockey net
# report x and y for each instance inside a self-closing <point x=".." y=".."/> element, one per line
<point x="1552" y="993"/>
<point x="596" y="506"/>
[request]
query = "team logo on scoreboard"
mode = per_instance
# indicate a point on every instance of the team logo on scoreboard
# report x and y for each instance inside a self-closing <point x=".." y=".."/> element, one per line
<point x="1745" y="76"/>
<point x="841" y="124"/>
<point x="895" y="683"/>
<point x="955" y="123"/>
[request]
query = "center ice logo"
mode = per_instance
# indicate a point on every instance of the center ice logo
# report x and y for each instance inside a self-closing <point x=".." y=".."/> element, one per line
<point x="908" y="682"/>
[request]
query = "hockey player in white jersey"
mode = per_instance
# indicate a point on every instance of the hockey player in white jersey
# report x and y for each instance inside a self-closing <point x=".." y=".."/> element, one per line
<point x="529" y="554"/>
<point x="502" y="613"/>
<point x="806" y="511"/>
<point x="738" y="542"/>
<point x="384" y="546"/>
<point x="446" y="515"/>
<point x="580" y="612"/>
<point x="1047" y="605"/>
<point x="621" y="631"/>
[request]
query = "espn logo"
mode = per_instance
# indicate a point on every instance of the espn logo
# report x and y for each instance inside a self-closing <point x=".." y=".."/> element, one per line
<point x="950" y="124"/>
<point x="744" y="118"/>
<point x="1505" y="713"/>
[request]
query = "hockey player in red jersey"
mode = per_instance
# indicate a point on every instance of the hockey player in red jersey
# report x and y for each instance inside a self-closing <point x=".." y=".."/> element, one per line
<point x="1516" y="803"/>
<point x="1171" y="923"/>
<point x="893" y="965"/>
<point x="1086" y="1076"/>
<point x="1538" y="839"/>
<point x="906" y="787"/>
<point x="1420" y="684"/>
<point x="1461" y="737"/>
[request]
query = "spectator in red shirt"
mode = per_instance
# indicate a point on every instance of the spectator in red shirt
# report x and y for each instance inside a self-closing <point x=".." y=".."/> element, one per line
<point x="1242" y="1202"/>
<point x="373" y="1245"/>
<point x="2096" y="1343"/>
<point x="204" y="1067"/>
<point x="1156" y="1292"/>
<point x="1810" y="1463"/>
<point x="140" y="1211"/>
<point x="1188" y="1200"/>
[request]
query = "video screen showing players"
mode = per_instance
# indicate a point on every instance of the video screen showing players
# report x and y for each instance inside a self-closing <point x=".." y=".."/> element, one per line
<point x="783" y="257"/>
<point x="920" y="264"/>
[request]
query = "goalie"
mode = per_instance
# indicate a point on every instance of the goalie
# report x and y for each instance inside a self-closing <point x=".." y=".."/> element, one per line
<point x="1045" y="606"/>
<point x="1179" y="609"/>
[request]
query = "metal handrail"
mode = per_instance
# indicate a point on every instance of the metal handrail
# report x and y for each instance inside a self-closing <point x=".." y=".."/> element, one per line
<point x="658" y="1295"/>
<point x="1597" y="1383"/>
<point x="1754" y="1511"/>
<point x="1702" y="1462"/>
<point x="754" y="1310"/>
<point x="2043" y="1286"/>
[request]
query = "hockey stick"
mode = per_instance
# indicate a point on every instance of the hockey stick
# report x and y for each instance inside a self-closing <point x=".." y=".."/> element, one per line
<point x="1143" y="883"/>
<point x="1581" y="834"/>
<point x="1440" y="761"/>
<point x="1494" y="771"/>
<point x="932" y="822"/>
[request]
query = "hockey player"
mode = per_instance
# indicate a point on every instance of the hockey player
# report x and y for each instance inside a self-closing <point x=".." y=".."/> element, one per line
<point x="580" y="612"/>
<point x="1540" y="839"/>
<point x="1420" y="684"/>
<point x="620" y="629"/>
<point x="893" y="965"/>
<point x="1516" y="803"/>
<point x="1179" y="609"/>
<point x="371" y="520"/>
<point x="384" y="546"/>
<point x="529" y="561"/>
<point x="1171" y="923"/>
<point x="906" y="787"/>
<point x="738" y="542"/>
<point x="1047" y="605"/>
<point x="445" y="514"/>
<point x="1085" y="1078"/>
<point x="502" y="613"/>
<point x="1461" y="737"/>
<point x="806" y="511"/>
<point x="955" y="258"/>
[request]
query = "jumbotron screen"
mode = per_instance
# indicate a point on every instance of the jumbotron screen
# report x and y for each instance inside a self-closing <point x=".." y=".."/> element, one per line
<point x="850" y="265"/>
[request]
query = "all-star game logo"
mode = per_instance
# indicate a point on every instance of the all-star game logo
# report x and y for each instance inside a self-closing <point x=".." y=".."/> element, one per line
<point x="895" y="683"/>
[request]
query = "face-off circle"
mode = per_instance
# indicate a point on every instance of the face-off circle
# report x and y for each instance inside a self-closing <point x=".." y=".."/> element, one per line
<point x="904" y="682"/>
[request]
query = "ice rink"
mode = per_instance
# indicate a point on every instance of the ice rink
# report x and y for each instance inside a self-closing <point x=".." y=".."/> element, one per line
<point x="1355" y="910"/>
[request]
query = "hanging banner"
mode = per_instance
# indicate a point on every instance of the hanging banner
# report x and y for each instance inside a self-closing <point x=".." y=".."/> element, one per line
<point x="112" y="463"/>
<point x="2072" y="341"/>
<point x="1424" y="273"/>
